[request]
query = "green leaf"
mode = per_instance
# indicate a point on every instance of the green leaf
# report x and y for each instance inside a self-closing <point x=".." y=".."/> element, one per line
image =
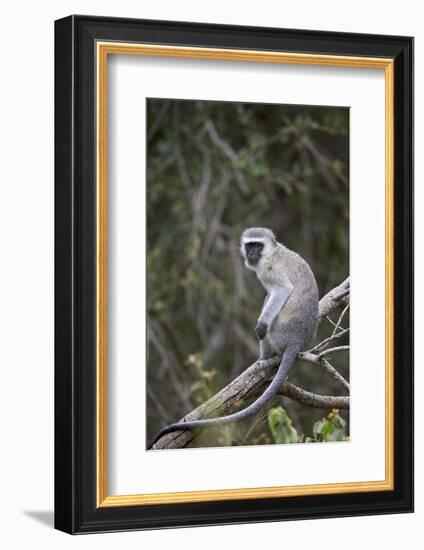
<point x="281" y="426"/>
<point x="331" y="428"/>
<point x="257" y="140"/>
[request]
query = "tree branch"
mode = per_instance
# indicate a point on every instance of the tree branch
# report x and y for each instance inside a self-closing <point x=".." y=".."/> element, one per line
<point x="255" y="378"/>
<point x="338" y="296"/>
<point x="313" y="399"/>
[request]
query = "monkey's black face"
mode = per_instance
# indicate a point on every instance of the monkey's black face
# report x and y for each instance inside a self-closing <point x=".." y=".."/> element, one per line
<point x="253" y="252"/>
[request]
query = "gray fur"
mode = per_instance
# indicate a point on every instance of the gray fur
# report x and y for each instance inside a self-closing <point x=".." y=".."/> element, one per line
<point x="287" y="277"/>
<point x="257" y="233"/>
<point x="287" y="322"/>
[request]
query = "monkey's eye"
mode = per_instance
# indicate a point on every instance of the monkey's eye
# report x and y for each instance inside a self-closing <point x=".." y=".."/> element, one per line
<point x="254" y="251"/>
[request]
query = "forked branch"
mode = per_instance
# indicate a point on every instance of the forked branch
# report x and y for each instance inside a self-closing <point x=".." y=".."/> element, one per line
<point x="255" y="378"/>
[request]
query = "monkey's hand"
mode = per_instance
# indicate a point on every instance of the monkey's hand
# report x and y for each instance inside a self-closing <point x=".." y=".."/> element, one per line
<point x="261" y="329"/>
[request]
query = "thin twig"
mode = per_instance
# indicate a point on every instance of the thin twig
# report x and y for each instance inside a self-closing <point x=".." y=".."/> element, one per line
<point x="340" y="319"/>
<point x="335" y="374"/>
<point x="333" y="350"/>
<point x="328" y="340"/>
<point x="228" y="152"/>
<point x="318" y="360"/>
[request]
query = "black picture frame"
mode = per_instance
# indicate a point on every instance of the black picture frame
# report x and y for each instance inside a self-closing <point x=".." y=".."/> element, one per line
<point x="76" y="509"/>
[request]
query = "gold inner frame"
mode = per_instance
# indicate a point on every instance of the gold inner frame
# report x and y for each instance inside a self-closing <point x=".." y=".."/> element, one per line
<point x="103" y="50"/>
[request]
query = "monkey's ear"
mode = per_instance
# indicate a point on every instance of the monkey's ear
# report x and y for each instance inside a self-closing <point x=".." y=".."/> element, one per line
<point x="274" y="241"/>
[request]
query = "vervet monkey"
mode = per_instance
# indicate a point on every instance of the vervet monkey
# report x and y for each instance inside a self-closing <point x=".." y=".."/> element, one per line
<point x="288" y="319"/>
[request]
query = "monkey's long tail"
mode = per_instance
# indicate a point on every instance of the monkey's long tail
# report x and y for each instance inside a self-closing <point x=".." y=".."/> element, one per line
<point x="287" y="361"/>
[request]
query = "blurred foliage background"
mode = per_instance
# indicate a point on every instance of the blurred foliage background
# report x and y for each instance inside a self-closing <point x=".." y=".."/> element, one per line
<point x="213" y="169"/>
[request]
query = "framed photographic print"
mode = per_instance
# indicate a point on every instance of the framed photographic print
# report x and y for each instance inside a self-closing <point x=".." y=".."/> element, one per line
<point x="234" y="268"/>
